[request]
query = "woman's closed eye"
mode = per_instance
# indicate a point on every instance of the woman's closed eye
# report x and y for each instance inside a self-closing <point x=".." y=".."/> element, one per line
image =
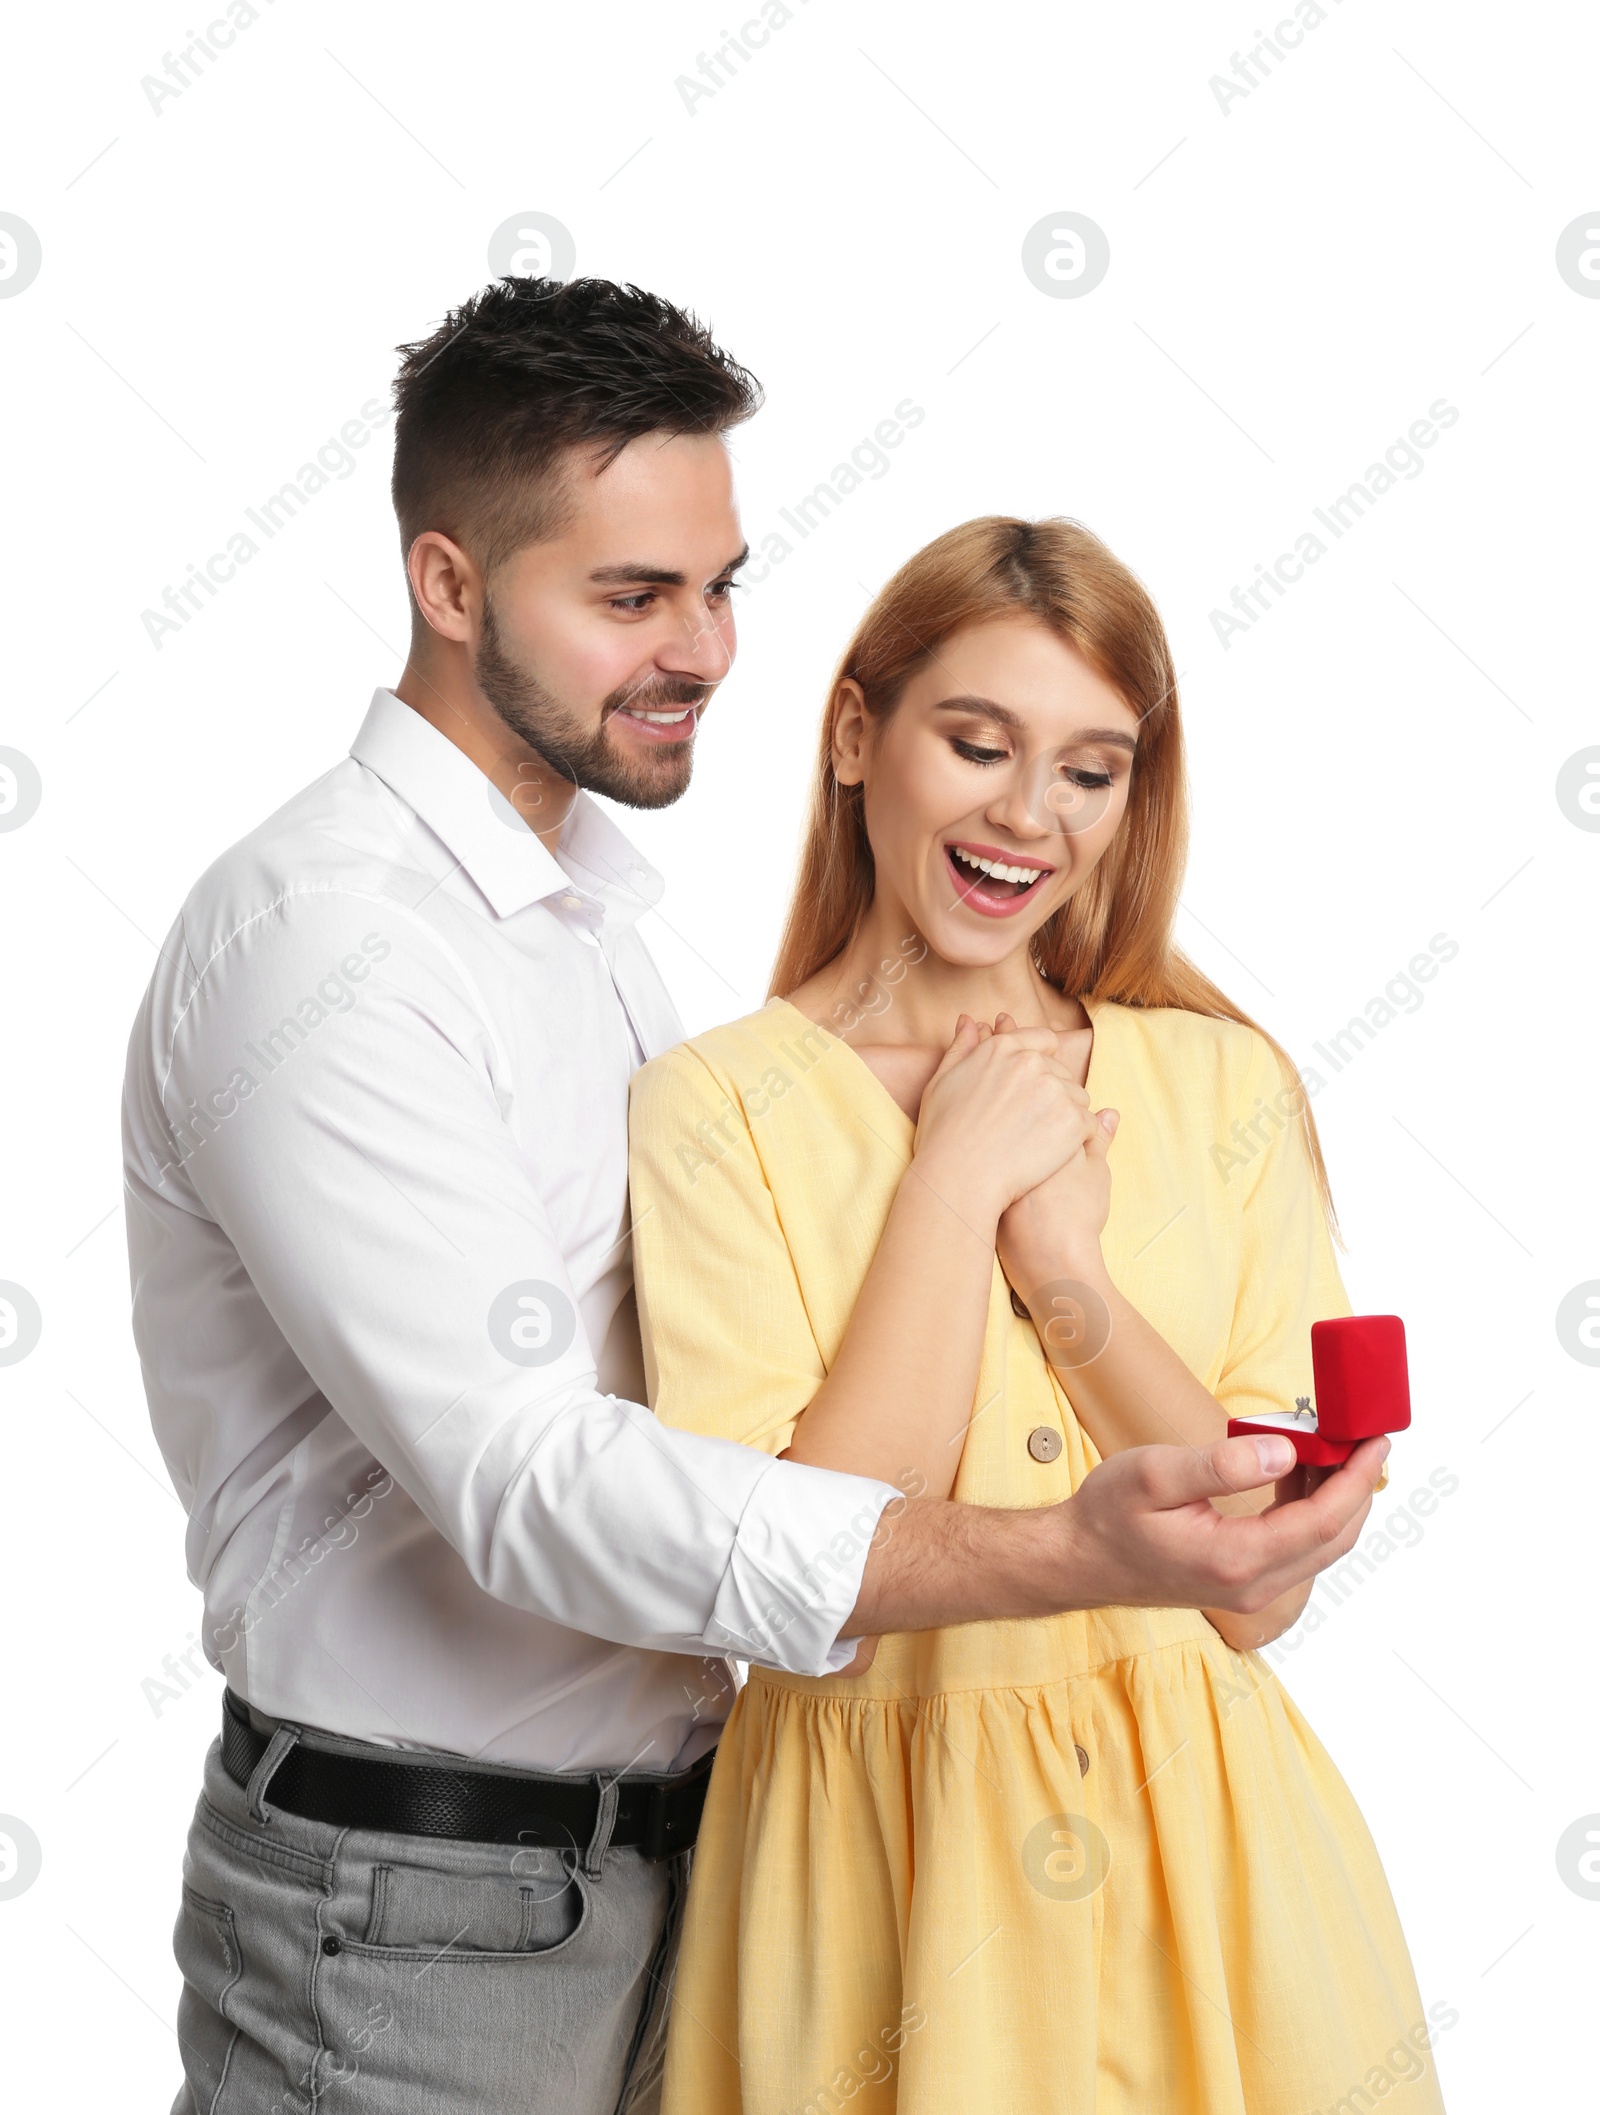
<point x="1081" y="775"/>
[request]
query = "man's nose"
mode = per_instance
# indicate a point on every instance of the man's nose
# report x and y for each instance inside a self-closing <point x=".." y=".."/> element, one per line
<point x="701" y="645"/>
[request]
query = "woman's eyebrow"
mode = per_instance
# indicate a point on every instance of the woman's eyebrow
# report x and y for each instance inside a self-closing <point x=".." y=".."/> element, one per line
<point x="1003" y="716"/>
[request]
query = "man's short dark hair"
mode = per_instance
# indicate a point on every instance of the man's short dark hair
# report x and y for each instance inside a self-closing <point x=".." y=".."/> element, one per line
<point x="522" y="373"/>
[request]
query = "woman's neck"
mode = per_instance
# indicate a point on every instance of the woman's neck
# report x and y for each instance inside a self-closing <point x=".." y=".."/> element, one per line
<point x="888" y="986"/>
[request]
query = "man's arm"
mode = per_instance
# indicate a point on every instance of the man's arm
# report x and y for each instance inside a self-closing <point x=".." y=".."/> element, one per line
<point x="319" y="1113"/>
<point x="1140" y="1532"/>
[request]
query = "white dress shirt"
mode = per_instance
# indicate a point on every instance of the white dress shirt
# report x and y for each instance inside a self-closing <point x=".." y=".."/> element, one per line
<point x="375" y="1146"/>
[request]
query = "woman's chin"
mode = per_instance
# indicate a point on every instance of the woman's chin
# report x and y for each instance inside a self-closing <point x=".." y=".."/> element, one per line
<point x="957" y="945"/>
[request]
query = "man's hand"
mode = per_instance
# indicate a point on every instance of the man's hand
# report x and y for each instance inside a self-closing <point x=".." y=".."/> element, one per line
<point x="1248" y="1633"/>
<point x="1144" y="1531"/>
<point x="1140" y="1532"/>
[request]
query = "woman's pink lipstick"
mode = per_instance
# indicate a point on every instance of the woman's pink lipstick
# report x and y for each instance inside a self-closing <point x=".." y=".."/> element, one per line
<point x="983" y="893"/>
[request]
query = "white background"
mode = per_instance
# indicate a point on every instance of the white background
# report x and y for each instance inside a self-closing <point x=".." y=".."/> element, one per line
<point x="1293" y="281"/>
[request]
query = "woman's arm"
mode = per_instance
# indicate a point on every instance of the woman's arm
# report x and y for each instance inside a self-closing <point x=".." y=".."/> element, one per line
<point x="729" y="1347"/>
<point x="1135" y="1391"/>
<point x="898" y="1399"/>
<point x="1127" y="1385"/>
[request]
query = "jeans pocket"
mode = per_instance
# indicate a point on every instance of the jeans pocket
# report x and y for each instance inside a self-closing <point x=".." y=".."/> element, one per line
<point x="206" y="1943"/>
<point x="422" y="1912"/>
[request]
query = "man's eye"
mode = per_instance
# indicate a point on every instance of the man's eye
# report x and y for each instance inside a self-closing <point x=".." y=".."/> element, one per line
<point x="633" y="603"/>
<point x="977" y="755"/>
<point x="720" y="590"/>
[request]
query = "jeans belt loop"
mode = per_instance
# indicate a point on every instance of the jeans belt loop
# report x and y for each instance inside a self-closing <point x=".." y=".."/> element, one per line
<point x="605" y="1820"/>
<point x="261" y="1776"/>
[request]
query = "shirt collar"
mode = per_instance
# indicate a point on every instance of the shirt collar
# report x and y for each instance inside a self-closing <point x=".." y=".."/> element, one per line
<point x="484" y="833"/>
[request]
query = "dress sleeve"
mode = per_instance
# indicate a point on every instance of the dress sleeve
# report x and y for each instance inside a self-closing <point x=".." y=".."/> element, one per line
<point x="1288" y="1278"/>
<point x="729" y="1351"/>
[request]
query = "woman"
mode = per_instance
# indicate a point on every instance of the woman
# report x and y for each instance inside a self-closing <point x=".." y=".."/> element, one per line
<point x="1096" y="1862"/>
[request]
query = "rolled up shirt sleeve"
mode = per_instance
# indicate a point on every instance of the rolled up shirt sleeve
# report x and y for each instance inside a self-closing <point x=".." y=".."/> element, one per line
<point x="328" y="1089"/>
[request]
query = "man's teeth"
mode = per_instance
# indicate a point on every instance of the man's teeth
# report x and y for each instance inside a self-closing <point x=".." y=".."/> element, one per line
<point x="996" y="869"/>
<point x="661" y="719"/>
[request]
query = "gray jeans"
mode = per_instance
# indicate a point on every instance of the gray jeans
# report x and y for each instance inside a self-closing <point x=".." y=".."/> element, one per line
<point x="353" y="1972"/>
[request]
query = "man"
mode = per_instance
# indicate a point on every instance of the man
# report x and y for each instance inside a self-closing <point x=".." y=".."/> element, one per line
<point x="474" y="1606"/>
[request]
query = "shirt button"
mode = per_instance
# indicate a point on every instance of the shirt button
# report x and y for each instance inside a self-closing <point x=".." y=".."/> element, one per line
<point x="330" y="1944"/>
<point x="1083" y="1759"/>
<point x="1044" y="1442"/>
<point x="572" y="903"/>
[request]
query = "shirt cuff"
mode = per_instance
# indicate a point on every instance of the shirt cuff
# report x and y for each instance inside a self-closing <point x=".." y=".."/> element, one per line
<point x="794" y="1572"/>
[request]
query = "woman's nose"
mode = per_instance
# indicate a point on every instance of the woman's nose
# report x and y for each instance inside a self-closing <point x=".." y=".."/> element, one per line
<point x="1021" y="808"/>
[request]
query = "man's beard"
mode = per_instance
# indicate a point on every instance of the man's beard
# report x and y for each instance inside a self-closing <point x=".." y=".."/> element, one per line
<point x="584" y="756"/>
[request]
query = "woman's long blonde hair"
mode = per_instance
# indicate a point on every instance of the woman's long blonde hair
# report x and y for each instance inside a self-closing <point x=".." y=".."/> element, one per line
<point x="1112" y="938"/>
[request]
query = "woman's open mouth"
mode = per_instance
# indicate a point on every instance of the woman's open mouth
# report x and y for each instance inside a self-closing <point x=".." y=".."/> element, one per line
<point x="992" y="882"/>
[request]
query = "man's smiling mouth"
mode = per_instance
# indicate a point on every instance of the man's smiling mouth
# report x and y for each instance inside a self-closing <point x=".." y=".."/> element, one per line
<point x="664" y="723"/>
<point x="988" y="881"/>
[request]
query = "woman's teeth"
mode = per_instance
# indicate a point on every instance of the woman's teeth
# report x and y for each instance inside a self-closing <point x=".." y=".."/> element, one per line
<point x="996" y="869"/>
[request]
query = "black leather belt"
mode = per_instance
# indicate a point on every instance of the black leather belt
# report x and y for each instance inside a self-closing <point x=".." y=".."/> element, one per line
<point x="377" y="1790"/>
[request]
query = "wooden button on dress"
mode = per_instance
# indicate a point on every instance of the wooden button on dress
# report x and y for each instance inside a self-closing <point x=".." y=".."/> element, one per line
<point x="1044" y="1442"/>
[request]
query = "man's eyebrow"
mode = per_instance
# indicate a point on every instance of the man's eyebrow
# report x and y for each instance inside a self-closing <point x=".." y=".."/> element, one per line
<point x="644" y="574"/>
<point x="1003" y="716"/>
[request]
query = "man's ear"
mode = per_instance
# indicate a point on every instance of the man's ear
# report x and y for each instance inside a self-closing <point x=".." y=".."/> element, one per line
<point x="445" y="585"/>
<point x="851" y="729"/>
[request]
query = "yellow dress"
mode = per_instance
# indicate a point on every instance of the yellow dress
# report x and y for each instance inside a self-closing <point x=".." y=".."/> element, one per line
<point x="1092" y="1863"/>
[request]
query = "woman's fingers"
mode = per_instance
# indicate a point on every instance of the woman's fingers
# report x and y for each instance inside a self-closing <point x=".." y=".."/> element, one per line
<point x="964" y="1040"/>
<point x="1041" y="1039"/>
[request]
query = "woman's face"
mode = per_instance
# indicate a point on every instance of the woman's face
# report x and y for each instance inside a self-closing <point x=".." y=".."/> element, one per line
<point x="993" y="788"/>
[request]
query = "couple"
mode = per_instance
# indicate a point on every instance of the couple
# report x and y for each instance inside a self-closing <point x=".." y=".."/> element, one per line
<point x="1005" y="1817"/>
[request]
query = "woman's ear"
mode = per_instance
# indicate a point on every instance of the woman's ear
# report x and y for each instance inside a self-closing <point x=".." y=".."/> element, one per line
<point x="851" y="725"/>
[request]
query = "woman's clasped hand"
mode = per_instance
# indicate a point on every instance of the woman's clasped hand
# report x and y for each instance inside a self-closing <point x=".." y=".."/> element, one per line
<point x="1006" y="1130"/>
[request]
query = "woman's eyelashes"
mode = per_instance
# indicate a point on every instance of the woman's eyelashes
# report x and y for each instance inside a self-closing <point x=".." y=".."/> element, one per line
<point x="1085" y="776"/>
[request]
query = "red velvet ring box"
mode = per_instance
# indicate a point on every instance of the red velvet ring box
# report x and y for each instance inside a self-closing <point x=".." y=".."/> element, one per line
<point x="1358" y="1366"/>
